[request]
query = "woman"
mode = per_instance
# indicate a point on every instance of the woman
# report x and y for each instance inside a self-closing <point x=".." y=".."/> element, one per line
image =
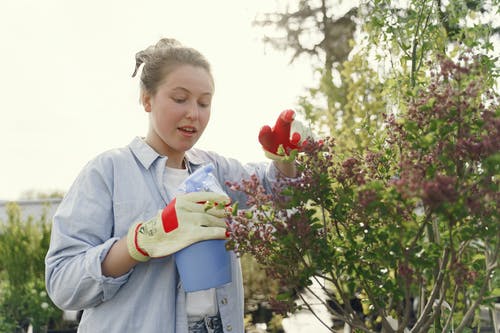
<point x="110" y="251"/>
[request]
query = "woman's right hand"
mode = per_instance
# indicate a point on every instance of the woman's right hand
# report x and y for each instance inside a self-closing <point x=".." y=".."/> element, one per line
<point x="187" y="219"/>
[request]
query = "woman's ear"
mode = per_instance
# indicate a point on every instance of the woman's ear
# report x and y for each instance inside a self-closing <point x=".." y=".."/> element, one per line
<point x="146" y="101"/>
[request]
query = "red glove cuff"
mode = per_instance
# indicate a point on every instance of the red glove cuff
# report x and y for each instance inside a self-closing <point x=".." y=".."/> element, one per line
<point x="169" y="217"/>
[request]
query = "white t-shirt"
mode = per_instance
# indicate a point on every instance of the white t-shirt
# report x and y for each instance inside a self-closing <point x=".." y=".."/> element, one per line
<point x="198" y="303"/>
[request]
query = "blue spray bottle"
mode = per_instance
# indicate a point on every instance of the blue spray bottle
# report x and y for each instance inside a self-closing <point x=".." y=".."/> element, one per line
<point x="206" y="264"/>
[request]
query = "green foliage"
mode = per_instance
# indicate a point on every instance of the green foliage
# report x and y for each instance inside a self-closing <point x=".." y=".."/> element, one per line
<point x="24" y="301"/>
<point x="402" y="203"/>
<point x="414" y="215"/>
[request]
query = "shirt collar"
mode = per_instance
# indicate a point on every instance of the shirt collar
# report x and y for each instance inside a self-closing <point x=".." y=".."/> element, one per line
<point x="193" y="158"/>
<point x="143" y="152"/>
<point x="147" y="155"/>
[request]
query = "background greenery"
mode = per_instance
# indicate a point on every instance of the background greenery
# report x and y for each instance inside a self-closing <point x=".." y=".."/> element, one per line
<point x="24" y="242"/>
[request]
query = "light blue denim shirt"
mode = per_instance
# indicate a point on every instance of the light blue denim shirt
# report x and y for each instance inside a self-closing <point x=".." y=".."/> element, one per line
<point x="114" y="190"/>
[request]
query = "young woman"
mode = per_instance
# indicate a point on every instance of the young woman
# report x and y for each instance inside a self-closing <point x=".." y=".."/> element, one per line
<point x="111" y="251"/>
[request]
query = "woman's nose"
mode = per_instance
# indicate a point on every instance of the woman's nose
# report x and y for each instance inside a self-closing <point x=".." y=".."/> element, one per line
<point x="192" y="111"/>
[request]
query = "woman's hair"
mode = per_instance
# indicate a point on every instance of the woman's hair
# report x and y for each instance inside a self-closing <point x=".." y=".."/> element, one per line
<point x="162" y="58"/>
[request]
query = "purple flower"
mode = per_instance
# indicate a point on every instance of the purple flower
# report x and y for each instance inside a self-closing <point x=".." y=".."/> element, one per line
<point x="441" y="189"/>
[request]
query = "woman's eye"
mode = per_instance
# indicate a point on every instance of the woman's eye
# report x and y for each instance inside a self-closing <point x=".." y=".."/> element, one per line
<point x="178" y="100"/>
<point x="204" y="103"/>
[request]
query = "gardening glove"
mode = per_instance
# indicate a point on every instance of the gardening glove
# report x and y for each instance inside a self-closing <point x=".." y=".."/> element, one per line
<point x="187" y="219"/>
<point x="277" y="143"/>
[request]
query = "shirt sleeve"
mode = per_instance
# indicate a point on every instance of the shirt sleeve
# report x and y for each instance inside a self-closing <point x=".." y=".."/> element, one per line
<point x="231" y="171"/>
<point x="82" y="234"/>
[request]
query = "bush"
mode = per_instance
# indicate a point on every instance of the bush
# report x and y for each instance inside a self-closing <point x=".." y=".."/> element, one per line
<point x="23" y="298"/>
<point x="409" y="226"/>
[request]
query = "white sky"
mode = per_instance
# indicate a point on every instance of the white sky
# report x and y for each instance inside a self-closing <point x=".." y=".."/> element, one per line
<point x="67" y="93"/>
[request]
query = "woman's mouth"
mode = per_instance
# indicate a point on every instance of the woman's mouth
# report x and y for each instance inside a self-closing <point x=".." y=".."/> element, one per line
<point x="187" y="130"/>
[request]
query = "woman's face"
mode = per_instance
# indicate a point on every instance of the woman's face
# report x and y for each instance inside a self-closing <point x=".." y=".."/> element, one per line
<point x="180" y="110"/>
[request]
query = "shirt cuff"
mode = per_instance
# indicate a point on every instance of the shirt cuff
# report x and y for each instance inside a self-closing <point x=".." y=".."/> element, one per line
<point x="94" y="259"/>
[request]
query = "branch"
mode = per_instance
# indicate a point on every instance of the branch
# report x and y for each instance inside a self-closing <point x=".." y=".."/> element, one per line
<point x="322" y="301"/>
<point x="314" y="313"/>
<point x="450" y="317"/>
<point x="420" y="231"/>
<point x="434" y="293"/>
<point x="414" y="47"/>
<point x="435" y="304"/>
<point x="335" y="281"/>
<point x="350" y="318"/>
<point x="347" y="316"/>
<point x="413" y="59"/>
<point x="380" y="310"/>
<point x="470" y="312"/>
<point x="493" y="264"/>
<point x="407" y="306"/>
<point x="343" y="313"/>
<point x="426" y="24"/>
<point x="325" y="277"/>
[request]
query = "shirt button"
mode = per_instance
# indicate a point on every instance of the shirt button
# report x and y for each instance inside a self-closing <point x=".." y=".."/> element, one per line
<point x="229" y="327"/>
<point x="224" y="301"/>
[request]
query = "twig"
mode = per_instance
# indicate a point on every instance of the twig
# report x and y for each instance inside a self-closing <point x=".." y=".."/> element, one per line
<point x="347" y="316"/>
<point x="470" y="312"/>
<point x="332" y="311"/>
<point x="414" y="48"/>
<point x="450" y="317"/>
<point x="407" y="309"/>
<point x="314" y="313"/>
<point x="433" y="296"/>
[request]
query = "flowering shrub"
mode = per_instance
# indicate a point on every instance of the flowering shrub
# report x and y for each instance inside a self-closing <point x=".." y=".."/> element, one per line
<point x="409" y="226"/>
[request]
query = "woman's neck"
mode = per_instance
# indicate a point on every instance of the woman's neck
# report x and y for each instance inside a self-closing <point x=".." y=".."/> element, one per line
<point x="176" y="163"/>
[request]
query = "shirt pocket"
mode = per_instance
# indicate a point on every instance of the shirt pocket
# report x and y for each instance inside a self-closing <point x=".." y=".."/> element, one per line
<point x="128" y="212"/>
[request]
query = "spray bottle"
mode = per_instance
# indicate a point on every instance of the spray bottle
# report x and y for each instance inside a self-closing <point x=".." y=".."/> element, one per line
<point x="206" y="264"/>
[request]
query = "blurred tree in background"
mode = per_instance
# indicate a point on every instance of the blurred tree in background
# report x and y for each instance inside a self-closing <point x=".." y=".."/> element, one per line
<point x="370" y="56"/>
<point x="41" y="195"/>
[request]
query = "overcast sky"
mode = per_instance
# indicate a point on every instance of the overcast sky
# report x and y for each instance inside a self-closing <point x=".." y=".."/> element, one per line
<point x="67" y="92"/>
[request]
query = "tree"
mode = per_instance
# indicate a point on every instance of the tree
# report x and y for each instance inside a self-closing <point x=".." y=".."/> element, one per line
<point x="38" y="195"/>
<point x="312" y="30"/>
<point x="382" y="50"/>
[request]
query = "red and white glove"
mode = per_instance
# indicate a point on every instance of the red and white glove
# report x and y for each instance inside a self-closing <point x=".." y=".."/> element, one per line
<point x="185" y="220"/>
<point x="277" y="143"/>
